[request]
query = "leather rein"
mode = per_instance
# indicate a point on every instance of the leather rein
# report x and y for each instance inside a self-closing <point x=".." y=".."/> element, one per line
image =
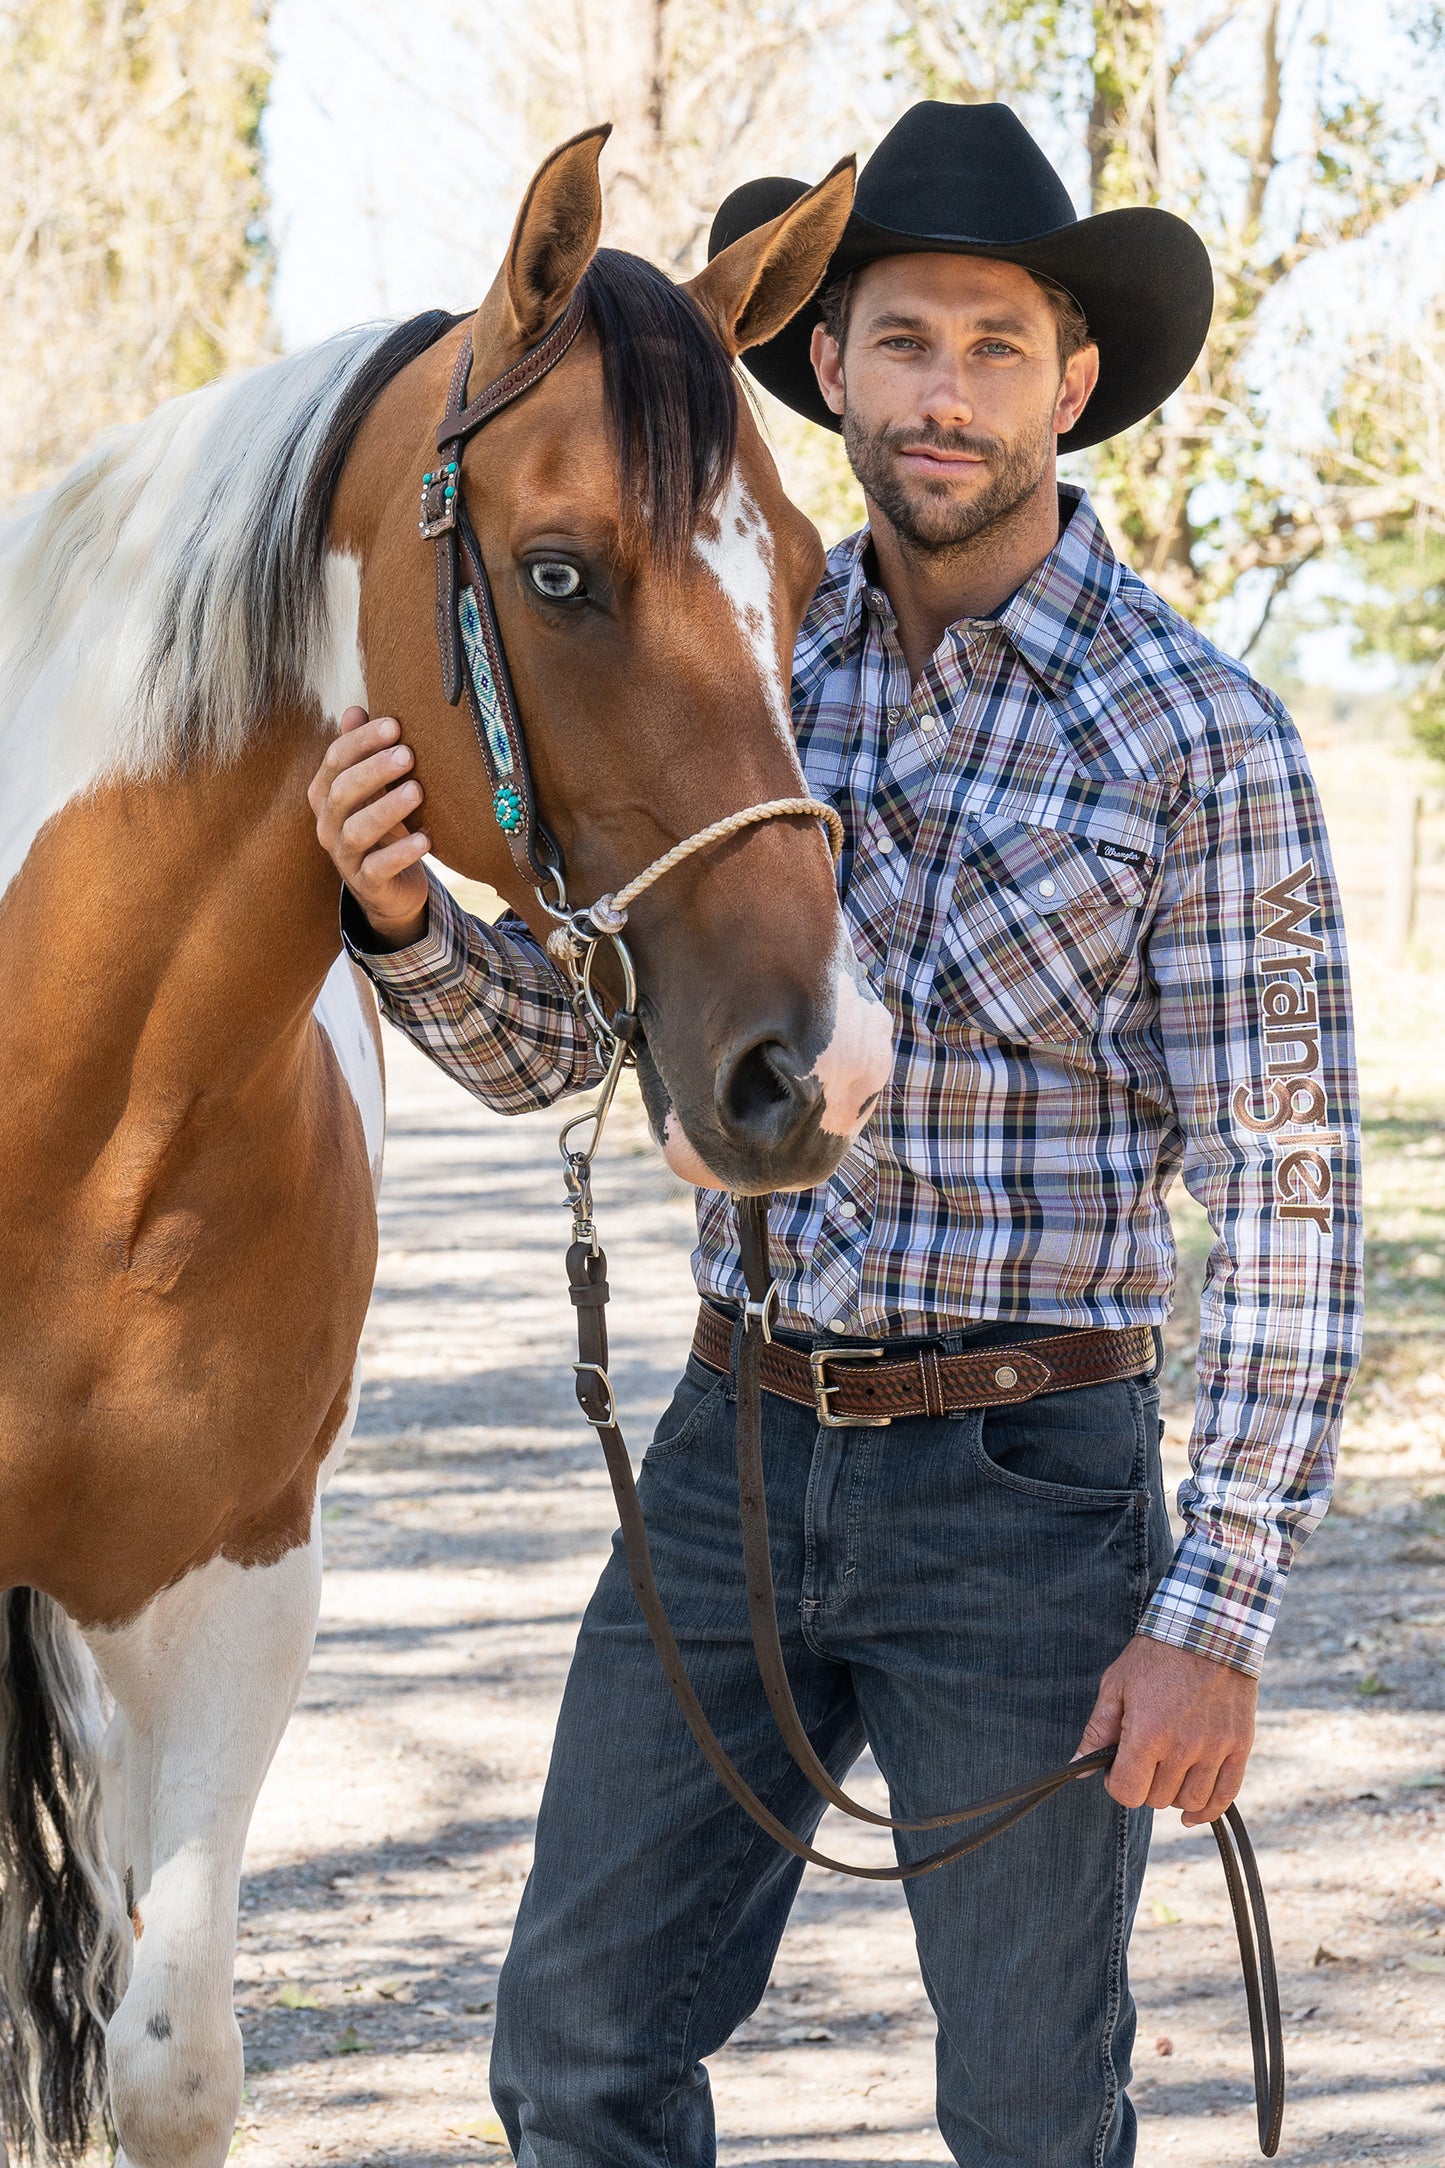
<point x="468" y="632"/>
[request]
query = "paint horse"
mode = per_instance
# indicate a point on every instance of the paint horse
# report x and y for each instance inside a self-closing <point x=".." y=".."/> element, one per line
<point x="191" y="1072"/>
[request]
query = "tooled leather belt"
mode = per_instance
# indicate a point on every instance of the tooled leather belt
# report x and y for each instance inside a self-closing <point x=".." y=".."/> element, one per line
<point x="865" y="1388"/>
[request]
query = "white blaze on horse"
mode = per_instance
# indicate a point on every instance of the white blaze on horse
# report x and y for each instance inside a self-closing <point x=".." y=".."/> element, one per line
<point x="191" y="1075"/>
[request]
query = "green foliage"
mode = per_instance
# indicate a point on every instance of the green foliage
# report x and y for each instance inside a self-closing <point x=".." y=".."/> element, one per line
<point x="1404" y="617"/>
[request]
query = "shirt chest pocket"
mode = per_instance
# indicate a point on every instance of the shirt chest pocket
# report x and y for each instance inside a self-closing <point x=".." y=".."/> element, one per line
<point x="1043" y="924"/>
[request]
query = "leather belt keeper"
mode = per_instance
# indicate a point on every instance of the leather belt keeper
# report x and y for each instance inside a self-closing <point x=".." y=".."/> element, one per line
<point x="865" y="1388"/>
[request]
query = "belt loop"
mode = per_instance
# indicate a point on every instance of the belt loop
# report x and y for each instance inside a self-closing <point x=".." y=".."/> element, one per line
<point x="933" y="1400"/>
<point x="735" y="1353"/>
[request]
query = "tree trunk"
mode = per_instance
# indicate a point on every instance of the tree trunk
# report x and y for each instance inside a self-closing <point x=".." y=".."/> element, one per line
<point x="1123" y="110"/>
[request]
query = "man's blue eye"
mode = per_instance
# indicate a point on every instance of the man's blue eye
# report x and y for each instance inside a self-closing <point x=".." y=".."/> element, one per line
<point x="557" y="580"/>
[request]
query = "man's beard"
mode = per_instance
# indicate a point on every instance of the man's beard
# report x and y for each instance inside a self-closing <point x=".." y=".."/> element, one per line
<point x="927" y="516"/>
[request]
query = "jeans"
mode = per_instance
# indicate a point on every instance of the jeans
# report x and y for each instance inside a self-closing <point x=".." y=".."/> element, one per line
<point x="950" y="1591"/>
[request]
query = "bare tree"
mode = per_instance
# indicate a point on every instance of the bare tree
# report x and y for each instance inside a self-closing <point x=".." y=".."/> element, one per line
<point x="132" y="254"/>
<point x="705" y="94"/>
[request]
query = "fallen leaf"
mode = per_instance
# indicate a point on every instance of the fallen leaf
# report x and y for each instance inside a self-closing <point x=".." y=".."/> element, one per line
<point x="1164" y="1914"/>
<point x="349" y="2043"/>
<point x="1423" y="1961"/>
<point x="1164" y="2045"/>
<point x="1297" y="2017"/>
<point x="486" y="2127"/>
<point x="1429" y="1551"/>
<point x="1372" y="1684"/>
<point x="792" y="2036"/>
<point x="1433" y="1780"/>
<point x="295" y="1997"/>
<point x="1323" y="1956"/>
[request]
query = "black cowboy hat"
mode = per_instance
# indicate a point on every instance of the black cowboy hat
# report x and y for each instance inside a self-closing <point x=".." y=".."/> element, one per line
<point x="970" y="180"/>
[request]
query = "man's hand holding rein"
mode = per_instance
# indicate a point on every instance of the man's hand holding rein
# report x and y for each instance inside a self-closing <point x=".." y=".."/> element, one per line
<point x="1183" y="1724"/>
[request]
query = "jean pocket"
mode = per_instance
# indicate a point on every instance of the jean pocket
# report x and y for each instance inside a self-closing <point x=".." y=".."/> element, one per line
<point x="1090" y="1447"/>
<point x="685" y="1418"/>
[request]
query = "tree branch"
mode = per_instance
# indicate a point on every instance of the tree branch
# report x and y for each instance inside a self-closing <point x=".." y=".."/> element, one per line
<point x="1278" y="584"/>
<point x="1265" y="158"/>
<point x="1205" y="35"/>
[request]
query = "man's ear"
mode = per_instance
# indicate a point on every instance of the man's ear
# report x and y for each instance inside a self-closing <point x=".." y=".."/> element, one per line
<point x="753" y="288"/>
<point x="553" y="241"/>
<point x="827" y="358"/>
<point x="1081" y="374"/>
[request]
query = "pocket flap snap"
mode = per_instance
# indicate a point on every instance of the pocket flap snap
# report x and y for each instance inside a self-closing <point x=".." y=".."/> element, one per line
<point x="1053" y="870"/>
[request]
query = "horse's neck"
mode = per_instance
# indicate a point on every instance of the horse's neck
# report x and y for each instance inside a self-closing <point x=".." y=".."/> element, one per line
<point x="167" y="937"/>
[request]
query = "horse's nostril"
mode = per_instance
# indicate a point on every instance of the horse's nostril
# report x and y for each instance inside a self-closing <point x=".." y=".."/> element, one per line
<point x="760" y="1093"/>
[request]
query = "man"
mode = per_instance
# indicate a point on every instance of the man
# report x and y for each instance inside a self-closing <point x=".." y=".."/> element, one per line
<point x="1086" y="870"/>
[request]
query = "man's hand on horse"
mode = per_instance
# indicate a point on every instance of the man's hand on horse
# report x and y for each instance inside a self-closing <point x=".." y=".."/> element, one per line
<point x="361" y="795"/>
<point x="1183" y="1725"/>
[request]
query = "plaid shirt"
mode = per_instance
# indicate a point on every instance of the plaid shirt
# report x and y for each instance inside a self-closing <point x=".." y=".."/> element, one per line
<point x="1087" y="872"/>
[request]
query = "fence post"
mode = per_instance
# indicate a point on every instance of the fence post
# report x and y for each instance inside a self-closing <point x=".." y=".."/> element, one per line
<point x="1400" y="871"/>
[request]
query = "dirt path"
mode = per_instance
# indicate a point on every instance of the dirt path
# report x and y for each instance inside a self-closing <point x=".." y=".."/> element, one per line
<point x="464" y="1533"/>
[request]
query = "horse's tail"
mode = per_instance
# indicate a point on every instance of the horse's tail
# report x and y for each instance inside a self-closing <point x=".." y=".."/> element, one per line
<point x="63" y="1946"/>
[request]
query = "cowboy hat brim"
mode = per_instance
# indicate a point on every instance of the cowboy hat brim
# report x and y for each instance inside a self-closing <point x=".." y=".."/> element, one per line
<point x="1141" y="277"/>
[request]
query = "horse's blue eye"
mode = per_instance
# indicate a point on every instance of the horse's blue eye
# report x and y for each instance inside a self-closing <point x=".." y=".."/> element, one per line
<point x="557" y="580"/>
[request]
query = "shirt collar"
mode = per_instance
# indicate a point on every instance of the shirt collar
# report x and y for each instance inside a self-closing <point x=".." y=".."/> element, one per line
<point x="852" y="552"/>
<point x="1053" y="619"/>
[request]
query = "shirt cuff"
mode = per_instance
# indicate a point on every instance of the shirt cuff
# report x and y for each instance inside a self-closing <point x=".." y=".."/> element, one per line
<point x="435" y="964"/>
<point x="1217" y="1604"/>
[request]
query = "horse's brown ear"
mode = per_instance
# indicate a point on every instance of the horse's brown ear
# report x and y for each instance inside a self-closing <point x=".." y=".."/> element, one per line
<point x="751" y="289"/>
<point x="553" y="241"/>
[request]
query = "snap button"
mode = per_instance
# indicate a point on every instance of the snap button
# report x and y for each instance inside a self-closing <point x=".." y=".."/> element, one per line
<point x="884" y="846"/>
<point x="847" y="1209"/>
<point x="836" y="1324"/>
<point x="1006" y="1376"/>
<point x="1048" y="888"/>
<point x="895" y="715"/>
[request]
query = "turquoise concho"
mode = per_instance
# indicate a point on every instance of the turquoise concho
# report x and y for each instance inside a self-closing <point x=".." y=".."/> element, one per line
<point x="507" y="805"/>
<point x="499" y="744"/>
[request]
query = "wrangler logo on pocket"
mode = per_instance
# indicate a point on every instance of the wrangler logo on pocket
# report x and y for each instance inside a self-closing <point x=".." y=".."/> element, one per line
<point x="1294" y="1096"/>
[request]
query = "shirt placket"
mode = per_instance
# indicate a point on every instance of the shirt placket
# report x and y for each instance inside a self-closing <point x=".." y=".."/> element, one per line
<point x="884" y="903"/>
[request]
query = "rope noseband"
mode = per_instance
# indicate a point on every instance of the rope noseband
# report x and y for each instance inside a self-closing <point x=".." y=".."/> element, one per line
<point x="467" y="627"/>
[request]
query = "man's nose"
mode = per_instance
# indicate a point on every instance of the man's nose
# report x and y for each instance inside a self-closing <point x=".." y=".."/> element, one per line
<point x="948" y="402"/>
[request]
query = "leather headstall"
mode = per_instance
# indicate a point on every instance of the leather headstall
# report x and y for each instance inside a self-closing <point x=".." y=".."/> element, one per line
<point x="466" y="617"/>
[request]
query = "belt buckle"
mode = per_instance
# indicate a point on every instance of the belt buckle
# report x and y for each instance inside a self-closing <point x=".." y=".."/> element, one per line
<point x="818" y="1363"/>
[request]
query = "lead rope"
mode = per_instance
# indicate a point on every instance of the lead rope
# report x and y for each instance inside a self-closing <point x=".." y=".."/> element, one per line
<point x="588" y="1287"/>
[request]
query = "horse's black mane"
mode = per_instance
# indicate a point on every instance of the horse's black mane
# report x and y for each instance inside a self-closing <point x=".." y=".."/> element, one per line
<point x="671" y="397"/>
<point x="242" y="604"/>
<point x="396" y="350"/>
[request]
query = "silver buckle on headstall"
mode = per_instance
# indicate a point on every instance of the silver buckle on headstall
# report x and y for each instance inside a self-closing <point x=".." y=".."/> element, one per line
<point x="818" y="1363"/>
<point x="439" y="500"/>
